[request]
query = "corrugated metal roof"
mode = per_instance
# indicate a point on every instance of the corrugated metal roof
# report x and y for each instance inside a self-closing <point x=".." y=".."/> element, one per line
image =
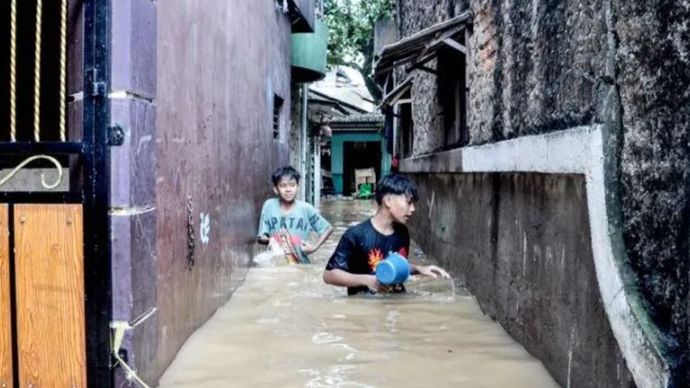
<point x="363" y="122"/>
<point x="364" y="118"/>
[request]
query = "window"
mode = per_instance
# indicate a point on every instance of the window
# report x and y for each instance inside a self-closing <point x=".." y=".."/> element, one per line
<point x="400" y="99"/>
<point x="277" y="115"/>
<point x="453" y="95"/>
<point x="406" y="128"/>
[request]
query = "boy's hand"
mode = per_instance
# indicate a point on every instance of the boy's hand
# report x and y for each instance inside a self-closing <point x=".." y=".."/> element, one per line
<point x="308" y="248"/>
<point x="432" y="271"/>
<point x="373" y="284"/>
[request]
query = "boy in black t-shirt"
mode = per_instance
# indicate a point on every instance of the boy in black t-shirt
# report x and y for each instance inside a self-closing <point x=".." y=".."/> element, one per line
<point x="363" y="246"/>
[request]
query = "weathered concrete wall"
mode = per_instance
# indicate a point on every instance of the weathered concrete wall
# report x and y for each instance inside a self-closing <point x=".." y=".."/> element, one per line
<point x="537" y="67"/>
<point x="295" y="126"/>
<point x="653" y="81"/>
<point x="520" y="81"/>
<point x="385" y="32"/>
<point x="600" y="54"/>
<point x="193" y="86"/>
<point x="521" y="243"/>
<point x="413" y="16"/>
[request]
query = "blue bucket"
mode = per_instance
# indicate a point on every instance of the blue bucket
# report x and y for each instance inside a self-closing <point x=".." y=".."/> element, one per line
<point x="394" y="269"/>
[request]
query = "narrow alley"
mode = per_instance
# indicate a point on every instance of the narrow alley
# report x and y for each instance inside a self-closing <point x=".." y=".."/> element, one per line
<point x="148" y="148"/>
<point x="285" y="328"/>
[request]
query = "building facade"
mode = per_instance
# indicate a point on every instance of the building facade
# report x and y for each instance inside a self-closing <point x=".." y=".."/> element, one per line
<point x="204" y="92"/>
<point x="549" y="142"/>
<point x="136" y="147"/>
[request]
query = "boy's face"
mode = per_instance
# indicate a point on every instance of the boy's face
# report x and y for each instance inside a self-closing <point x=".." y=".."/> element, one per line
<point x="287" y="189"/>
<point x="400" y="206"/>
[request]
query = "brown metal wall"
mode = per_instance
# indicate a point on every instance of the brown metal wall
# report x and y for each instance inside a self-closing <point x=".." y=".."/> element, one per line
<point x="219" y="64"/>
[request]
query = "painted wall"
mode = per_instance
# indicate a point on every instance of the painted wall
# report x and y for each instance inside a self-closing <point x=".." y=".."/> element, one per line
<point x="220" y="63"/>
<point x="193" y="86"/>
<point x="338" y="157"/>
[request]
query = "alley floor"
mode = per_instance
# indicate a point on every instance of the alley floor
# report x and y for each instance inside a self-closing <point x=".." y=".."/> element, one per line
<point x="285" y="328"/>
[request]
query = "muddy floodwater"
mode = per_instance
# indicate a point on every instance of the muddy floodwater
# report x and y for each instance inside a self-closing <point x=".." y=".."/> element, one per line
<point x="285" y="328"/>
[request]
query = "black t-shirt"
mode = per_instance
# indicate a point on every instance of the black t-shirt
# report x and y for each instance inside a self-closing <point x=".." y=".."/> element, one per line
<point x="362" y="247"/>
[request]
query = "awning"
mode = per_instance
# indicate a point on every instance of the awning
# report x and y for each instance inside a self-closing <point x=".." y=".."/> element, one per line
<point x="421" y="47"/>
<point x="361" y="122"/>
<point x="330" y="104"/>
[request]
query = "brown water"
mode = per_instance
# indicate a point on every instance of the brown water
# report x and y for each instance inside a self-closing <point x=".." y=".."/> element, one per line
<point x="285" y="328"/>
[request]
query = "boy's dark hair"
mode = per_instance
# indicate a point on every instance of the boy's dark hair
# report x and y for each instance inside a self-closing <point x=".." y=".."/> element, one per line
<point x="284" y="172"/>
<point x="396" y="184"/>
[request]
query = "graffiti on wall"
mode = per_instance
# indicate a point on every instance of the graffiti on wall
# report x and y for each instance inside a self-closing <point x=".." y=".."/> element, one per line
<point x="205" y="228"/>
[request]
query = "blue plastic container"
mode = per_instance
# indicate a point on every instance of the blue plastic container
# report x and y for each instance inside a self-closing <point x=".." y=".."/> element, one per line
<point x="394" y="269"/>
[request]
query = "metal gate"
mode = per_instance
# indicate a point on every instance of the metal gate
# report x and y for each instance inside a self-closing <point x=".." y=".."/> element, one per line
<point x="54" y="194"/>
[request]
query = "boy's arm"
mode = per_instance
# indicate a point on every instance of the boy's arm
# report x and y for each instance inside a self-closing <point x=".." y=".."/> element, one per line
<point x="338" y="277"/>
<point x="308" y="249"/>
<point x="262" y="236"/>
<point x="428" y="270"/>
<point x="321" y="226"/>
<point x="337" y="270"/>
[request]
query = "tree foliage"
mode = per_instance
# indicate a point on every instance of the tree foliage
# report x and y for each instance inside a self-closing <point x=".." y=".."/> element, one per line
<point x="351" y="34"/>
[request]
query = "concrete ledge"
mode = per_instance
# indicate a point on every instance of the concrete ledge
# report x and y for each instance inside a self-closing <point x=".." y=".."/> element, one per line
<point x="576" y="151"/>
<point x="564" y="152"/>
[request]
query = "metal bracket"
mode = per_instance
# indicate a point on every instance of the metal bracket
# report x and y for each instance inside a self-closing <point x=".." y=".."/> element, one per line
<point x="123" y="355"/>
<point x="98" y="88"/>
<point x="116" y="135"/>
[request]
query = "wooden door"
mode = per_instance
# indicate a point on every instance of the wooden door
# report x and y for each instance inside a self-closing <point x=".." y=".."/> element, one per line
<point x="5" y="303"/>
<point x="49" y="265"/>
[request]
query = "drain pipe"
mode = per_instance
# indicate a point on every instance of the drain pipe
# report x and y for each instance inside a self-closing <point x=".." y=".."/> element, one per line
<point x="303" y="144"/>
<point x="317" y="171"/>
